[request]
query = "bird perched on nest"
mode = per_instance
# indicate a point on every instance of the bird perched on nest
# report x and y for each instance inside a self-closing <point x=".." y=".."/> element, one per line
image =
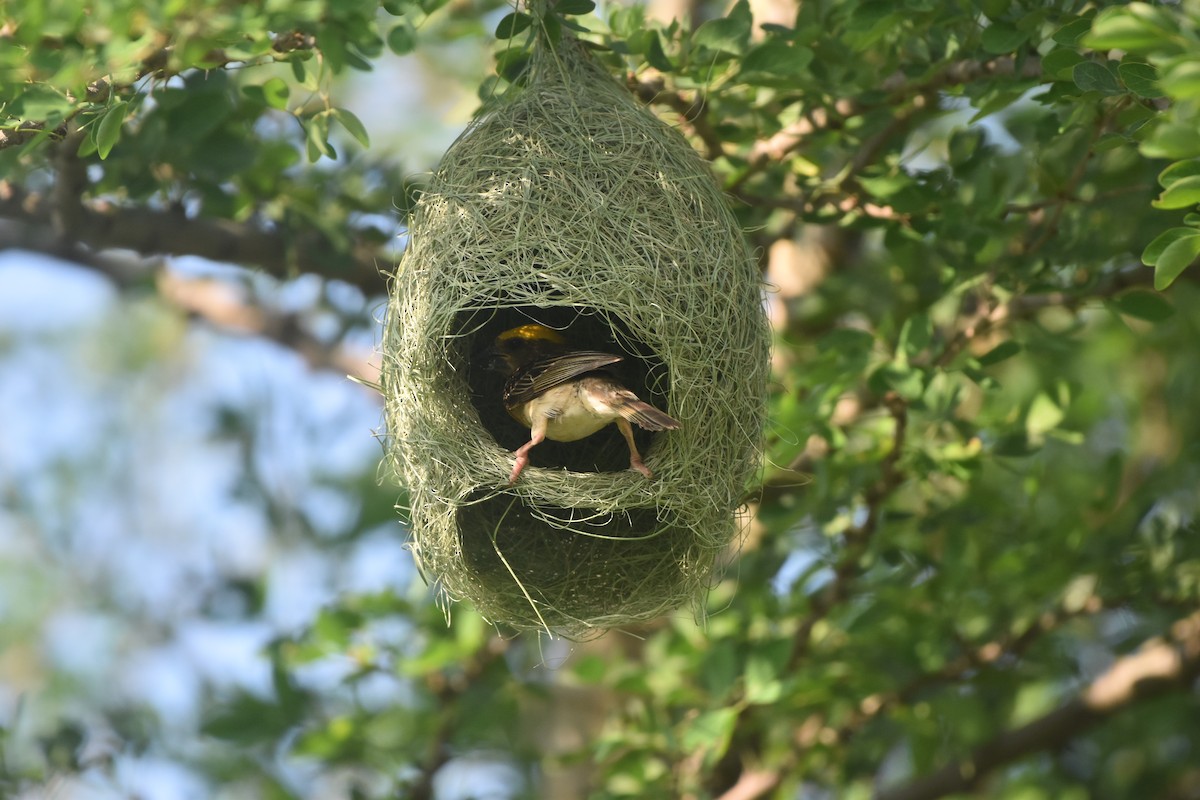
<point x="564" y="394"/>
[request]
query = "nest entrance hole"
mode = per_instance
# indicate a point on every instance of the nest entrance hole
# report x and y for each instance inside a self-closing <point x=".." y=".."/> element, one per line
<point x="642" y="371"/>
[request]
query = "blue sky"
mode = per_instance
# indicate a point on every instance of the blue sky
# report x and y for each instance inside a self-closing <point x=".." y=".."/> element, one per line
<point x="120" y="521"/>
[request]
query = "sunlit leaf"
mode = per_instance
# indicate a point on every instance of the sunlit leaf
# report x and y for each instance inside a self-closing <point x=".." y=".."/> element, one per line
<point x="353" y="125"/>
<point x="1181" y="193"/>
<point x="1174" y="259"/>
<point x="108" y="130"/>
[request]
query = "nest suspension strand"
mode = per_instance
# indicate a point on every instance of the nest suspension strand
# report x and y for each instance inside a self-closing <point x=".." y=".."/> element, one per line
<point x="572" y="206"/>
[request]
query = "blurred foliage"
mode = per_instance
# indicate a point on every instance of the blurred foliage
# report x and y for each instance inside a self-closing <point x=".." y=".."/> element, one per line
<point x="982" y="474"/>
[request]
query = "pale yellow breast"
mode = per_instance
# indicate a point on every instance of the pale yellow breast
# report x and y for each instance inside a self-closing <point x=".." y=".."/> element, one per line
<point x="570" y="413"/>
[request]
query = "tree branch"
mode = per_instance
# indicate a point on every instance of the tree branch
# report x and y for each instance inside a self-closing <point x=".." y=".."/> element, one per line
<point x="899" y="90"/>
<point x="991" y="314"/>
<point x="1159" y="668"/>
<point x="216" y="303"/>
<point x="693" y="112"/>
<point x="220" y="305"/>
<point x="279" y="253"/>
<point x="751" y="784"/>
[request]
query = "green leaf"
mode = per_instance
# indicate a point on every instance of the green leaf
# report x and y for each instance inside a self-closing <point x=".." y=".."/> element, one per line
<point x="512" y="24"/>
<point x="512" y="63"/>
<point x="204" y="111"/>
<point x="1155" y="249"/>
<point x="763" y="686"/>
<point x="1131" y="28"/>
<point x="1059" y="62"/>
<point x="915" y="336"/>
<point x="1141" y="79"/>
<point x="1182" y="193"/>
<point x="574" y="7"/>
<point x="1044" y="415"/>
<point x="1001" y="37"/>
<point x="1174" y="140"/>
<point x="1140" y="304"/>
<point x="1178" y="171"/>
<point x="42" y="103"/>
<point x="627" y="21"/>
<point x="1182" y="80"/>
<point x="1001" y="352"/>
<point x="908" y="383"/>
<point x="1091" y="76"/>
<point x="275" y="92"/>
<point x="996" y="100"/>
<point x="655" y="55"/>
<point x="993" y="9"/>
<point x="710" y="732"/>
<point x="307" y="78"/>
<point x="86" y="147"/>
<point x="1177" y="257"/>
<point x="886" y="187"/>
<point x="402" y="38"/>
<point x="729" y="34"/>
<point x="108" y="131"/>
<point x="317" y="138"/>
<point x="590" y="669"/>
<point x="353" y="126"/>
<point x="1072" y="32"/>
<point x="1108" y="141"/>
<point x="248" y="720"/>
<point x="964" y="144"/>
<point x="779" y="58"/>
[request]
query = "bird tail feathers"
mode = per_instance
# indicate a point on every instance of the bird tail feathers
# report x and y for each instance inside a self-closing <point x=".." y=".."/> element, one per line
<point x="647" y="416"/>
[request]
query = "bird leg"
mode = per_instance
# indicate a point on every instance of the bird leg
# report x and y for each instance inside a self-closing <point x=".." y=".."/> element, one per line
<point x="537" y="434"/>
<point x="635" y="458"/>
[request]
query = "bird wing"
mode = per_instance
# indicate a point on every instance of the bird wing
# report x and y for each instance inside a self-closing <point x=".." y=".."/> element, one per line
<point x="539" y="377"/>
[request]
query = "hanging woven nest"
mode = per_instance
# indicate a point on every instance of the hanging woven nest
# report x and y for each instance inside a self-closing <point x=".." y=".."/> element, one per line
<point x="572" y="206"/>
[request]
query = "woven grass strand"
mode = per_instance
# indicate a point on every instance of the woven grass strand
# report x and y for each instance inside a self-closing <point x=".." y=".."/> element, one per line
<point x="570" y="195"/>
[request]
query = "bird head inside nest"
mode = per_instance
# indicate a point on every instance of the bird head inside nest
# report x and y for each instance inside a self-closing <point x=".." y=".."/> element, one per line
<point x="520" y="345"/>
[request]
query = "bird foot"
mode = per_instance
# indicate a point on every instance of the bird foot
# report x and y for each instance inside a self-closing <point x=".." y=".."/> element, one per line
<point x="636" y="463"/>
<point x="516" y="470"/>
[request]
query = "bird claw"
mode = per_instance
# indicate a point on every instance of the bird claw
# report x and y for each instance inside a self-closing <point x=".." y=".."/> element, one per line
<point x="516" y="473"/>
<point x="522" y="460"/>
<point x="640" y="467"/>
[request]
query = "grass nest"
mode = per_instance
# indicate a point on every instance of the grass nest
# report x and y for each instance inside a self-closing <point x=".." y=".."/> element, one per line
<point x="571" y="205"/>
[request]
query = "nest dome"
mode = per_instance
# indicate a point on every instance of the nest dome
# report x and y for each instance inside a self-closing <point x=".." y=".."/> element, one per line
<point x="572" y="206"/>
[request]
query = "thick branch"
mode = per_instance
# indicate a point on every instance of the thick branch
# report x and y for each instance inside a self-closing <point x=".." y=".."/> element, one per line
<point x="153" y="232"/>
<point x="221" y="305"/>
<point x="1159" y="668"/>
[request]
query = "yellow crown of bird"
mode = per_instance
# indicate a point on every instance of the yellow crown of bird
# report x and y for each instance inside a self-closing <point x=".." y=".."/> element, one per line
<point x="532" y="332"/>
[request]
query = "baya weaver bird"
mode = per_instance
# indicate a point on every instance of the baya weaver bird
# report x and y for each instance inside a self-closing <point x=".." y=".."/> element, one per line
<point x="564" y="394"/>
